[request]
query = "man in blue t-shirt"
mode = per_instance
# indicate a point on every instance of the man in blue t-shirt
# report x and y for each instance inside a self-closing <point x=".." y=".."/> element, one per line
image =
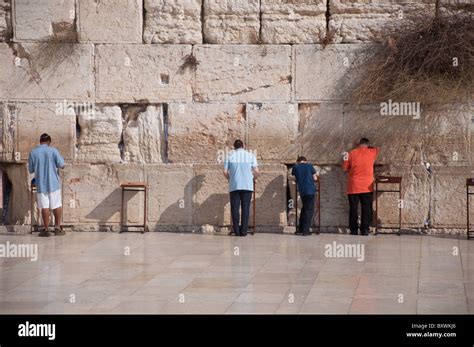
<point x="305" y="180"/>
<point x="44" y="161"/>
<point x="240" y="169"/>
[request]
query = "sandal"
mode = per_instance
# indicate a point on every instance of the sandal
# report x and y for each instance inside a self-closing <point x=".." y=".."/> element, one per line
<point x="58" y="231"/>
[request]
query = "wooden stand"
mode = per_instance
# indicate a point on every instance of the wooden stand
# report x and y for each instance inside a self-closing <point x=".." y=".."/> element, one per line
<point x="388" y="180"/>
<point x="134" y="187"/>
<point x="469" y="183"/>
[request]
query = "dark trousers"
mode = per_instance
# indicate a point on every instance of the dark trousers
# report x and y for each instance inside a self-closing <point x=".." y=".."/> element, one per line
<point x="307" y="213"/>
<point x="238" y="199"/>
<point x="366" y="212"/>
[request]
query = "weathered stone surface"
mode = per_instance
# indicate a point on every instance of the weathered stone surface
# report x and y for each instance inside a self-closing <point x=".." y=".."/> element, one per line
<point x="449" y="196"/>
<point x="38" y="20"/>
<point x="8" y="129"/>
<point x="415" y="197"/>
<point x="334" y="206"/>
<point x="171" y="21"/>
<point x="472" y="138"/>
<point x="447" y="134"/>
<point x="35" y="119"/>
<point x="272" y="131"/>
<point x="203" y="133"/>
<point x="109" y="21"/>
<point x="5" y="21"/>
<point x="398" y="137"/>
<point x="100" y="135"/>
<point x="19" y="200"/>
<point x="360" y="21"/>
<point x="321" y="132"/>
<point x="104" y="205"/>
<point x="326" y="74"/>
<point x="270" y="196"/>
<point x="46" y="71"/>
<point x="131" y="73"/>
<point x="290" y="21"/>
<point x="143" y="136"/>
<point x="243" y="73"/>
<point x="231" y="21"/>
<point x="170" y="194"/>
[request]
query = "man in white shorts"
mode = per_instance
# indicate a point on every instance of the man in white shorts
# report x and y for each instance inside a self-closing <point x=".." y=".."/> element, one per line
<point x="44" y="161"/>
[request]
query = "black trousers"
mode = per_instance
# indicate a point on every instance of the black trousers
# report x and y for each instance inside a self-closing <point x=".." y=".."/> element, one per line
<point x="240" y="199"/>
<point x="365" y="200"/>
<point x="307" y="213"/>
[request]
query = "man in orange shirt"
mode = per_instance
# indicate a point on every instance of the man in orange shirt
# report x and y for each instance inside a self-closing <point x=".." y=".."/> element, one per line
<point x="359" y="163"/>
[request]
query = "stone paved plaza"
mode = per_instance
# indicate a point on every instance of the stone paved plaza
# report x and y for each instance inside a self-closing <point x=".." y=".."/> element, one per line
<point x="264" y="273"/>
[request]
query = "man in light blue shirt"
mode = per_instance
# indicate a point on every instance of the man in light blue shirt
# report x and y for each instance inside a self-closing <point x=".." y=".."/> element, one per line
<point x="44" y="161"/>
<point x="240" y="169"/>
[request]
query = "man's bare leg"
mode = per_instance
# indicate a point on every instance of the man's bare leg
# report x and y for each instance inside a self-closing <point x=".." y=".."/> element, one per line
<point x="57" y="217"/>
<point x="57" y="220"/>
<point x="46" y="215"/>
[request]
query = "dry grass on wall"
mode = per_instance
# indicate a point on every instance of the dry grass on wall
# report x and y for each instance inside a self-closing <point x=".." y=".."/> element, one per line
<point x="430" y="61"/>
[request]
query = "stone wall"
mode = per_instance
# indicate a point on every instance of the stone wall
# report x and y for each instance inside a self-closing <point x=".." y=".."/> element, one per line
<point x="158" y="90"/>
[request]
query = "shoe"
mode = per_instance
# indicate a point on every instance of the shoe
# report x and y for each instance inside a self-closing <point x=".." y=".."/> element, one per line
<point x="354" y="233"/>
<point x="298" y="233"/>
<point x="364" y="233"/>
<point x="243" y="234"/>
<point x="305" y="234"/>
<point x="43" y="233"/>
<point x="59" y="231"/>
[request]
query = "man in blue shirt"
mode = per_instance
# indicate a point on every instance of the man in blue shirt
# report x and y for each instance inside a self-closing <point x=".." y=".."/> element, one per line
<point x="240" y="169"/>
<point x="44" y="161"/>
<point x="305" y="181"/>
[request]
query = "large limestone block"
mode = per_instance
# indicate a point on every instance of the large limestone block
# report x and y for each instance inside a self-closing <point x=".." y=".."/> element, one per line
<point x="128" y="73"/>
<point x="321" y="132"/>
<point x="109" y="21"/>
<point x="449" y="197"/>
<point x="231" y="21"/>
<point x="143" y="136"/>
<point x="415" y="197"/>
<point x="46" y="71"/>
<point x="326" y="74"/>
<point x="170" y="194"/>
<point x="270" y="196"/>
<point x="334" y="206"/>
<point x="398" y="137"/>
<point x="272" y="131"/>
<point x="290" y="21"/>
<point x="39" y="20"/>
<point x="243" y="73"/>
<point x="5" y="21"/>
<point x="446" y="136"/>
<point x="92" y="193"/>
<point x="100" y="135"/>
<point x="34" y="119"/>
<point x="173" y="21"/>
<point x="360" y="21"/>
<point x="204" y="133"/>
<point x="210" y="196"/>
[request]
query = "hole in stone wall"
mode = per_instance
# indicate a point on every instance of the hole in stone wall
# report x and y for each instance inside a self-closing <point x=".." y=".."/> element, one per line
<point x="164" y="79"/>
<point x="165" y="132"/>
<point x="78" y="130"/>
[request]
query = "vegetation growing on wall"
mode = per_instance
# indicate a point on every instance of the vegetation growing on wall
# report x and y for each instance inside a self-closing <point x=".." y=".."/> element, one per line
<point x="430" y="60"/>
